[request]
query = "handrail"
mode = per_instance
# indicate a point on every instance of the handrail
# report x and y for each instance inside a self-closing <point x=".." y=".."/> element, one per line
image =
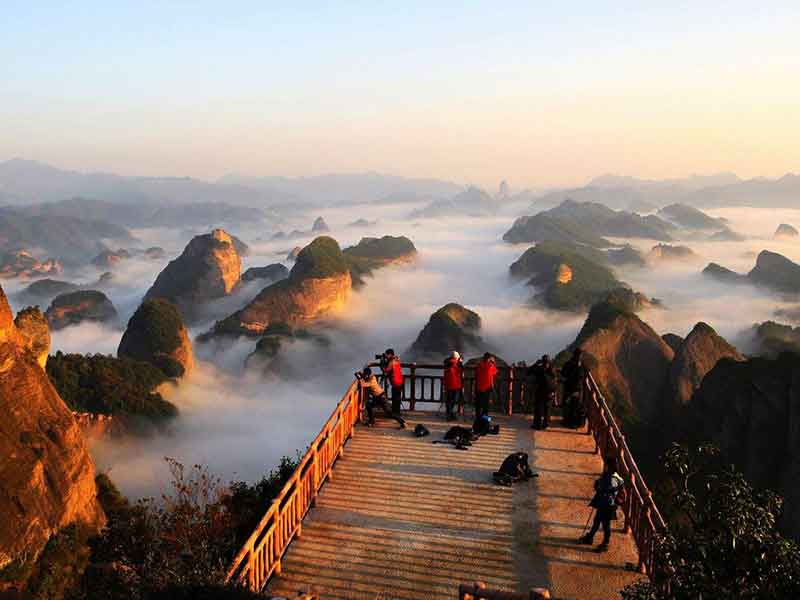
<point x="642" y="516"/>
<point x="261" y="555"/>
<point x="427" y="387"/>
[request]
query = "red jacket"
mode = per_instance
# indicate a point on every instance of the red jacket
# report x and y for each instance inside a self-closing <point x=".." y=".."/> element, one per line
<point x="453" y="375"/>
<point x="484" y="375"/>
<point x="395" y="372"/>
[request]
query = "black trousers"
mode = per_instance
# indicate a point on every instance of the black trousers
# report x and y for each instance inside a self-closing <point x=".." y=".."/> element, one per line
<point x="397" y="398"/>
<point x="482" y="403"/>
<point x="381" y="402"/>
<point x="602" y="517"/>
<point x="451" y="399"/>
<point x="541" y="410"/>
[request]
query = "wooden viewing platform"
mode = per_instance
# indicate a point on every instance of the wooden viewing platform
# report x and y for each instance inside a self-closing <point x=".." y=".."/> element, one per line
<point x="401" y="517"/>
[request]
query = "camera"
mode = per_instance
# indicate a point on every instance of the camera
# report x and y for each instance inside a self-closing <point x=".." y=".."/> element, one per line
<point x="383" y="360"/>
<point x="358" y="375"/>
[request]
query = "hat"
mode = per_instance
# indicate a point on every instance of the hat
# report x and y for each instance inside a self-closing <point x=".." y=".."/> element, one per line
<point x="367" y="371"/>
<point x="455" y="354"/>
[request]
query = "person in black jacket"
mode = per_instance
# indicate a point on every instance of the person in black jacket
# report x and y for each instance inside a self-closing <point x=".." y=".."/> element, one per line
<point x="609" y="492"/>
<point x="574" y="374"/>
<point x="545" y="381"/>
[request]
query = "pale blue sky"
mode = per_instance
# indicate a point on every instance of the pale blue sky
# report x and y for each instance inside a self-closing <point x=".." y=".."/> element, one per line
<point x="540" y="93"/>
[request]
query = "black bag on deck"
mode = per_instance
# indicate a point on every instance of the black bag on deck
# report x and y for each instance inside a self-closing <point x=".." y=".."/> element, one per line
<point x="461" y="437"/>
<point x="514" y="468"/>
<point x="421" y="431"/>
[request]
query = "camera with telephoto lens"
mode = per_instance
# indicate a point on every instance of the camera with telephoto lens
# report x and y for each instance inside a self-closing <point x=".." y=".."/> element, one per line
<point x="383" y="360"/>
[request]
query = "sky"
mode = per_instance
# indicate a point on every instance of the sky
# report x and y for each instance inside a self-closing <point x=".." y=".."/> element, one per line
<point x="538" y="93"/>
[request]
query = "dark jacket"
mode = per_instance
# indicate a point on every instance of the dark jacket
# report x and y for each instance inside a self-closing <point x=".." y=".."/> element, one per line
<point x="574" y="373"/>
<point x="544" y="377"/>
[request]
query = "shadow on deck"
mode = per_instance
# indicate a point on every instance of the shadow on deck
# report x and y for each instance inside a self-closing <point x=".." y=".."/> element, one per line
<point x="405" y="518"/>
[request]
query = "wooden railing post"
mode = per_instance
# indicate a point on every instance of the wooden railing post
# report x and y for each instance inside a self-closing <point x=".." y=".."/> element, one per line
<point x="510" y="409"/>
<point x="413" y="400"/>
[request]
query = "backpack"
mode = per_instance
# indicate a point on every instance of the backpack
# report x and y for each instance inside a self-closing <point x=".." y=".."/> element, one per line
<point x="515" y="467"/>
<point x="482" y="425"/>
<point x="461" y="437"/>
<point x="608" y="491"/>
<point x="421" y="431"/>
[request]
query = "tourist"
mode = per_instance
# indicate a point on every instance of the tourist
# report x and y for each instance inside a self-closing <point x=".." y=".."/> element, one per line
<point x="394" y="375"/>
<point x="609" y="492"/>
<point x="574" y="373"/>
<point x="485" y="373"/>
<point x="545" y="378"/>
<point x="376" y="396"/>
<point x="453" y="383"/>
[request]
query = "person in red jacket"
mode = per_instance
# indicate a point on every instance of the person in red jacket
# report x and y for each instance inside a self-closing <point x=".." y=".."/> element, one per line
<point x="453" y="383"/>
<point x="484" y="384"/>
<point x="394" y="375"/>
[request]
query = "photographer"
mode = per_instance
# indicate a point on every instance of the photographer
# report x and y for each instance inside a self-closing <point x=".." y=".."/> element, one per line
<point x="393" y="373"/>
<point x="375" y="397"/>
<point x="453" y="383"/>
<point x="574" y="373"/>
<point x="485" y="373"/>
<point x="545" y="379"/>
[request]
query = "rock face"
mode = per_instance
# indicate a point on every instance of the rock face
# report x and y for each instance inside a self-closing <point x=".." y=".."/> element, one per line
<point x="689" y="217"/>
<point x="697" y="355"/>
<point x="566" y="276"/>
<point x="155" y="253"/>
<point x="667" y="252"/>
<point x="32" y="325"/>
<point x="773" y="338"/>
<point x="47" y="473"/>
<point x="109" y="258"/>
<point x="786" y="232"/>
<point x="47" y="289"/>
<point x="293" y="253"/>
<point x="725" y="275"/>
<point x="21" y="263"/>
<point x="320" y="226"/>
<point x="209" y="268"/>
<point x="777" y="272"/>
<point x="751" y="410"/>
<point x="544" y="227"/>
<point x="318" y="284"/>
<point x="452" y="327"/>
<point x="273" y="272"/>
<point x="673" y="340"/>
<point x="76" y="307"/>
<point x="156" y="335"/>
<point x="373" y="253"/>
<point x="632" y="359"/>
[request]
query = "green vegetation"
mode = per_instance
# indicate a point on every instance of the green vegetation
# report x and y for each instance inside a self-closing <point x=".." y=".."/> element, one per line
<point x="79" y="297"/>
<point x="386" y="248"/>
<point x="321" y="258"/>
<point x="545" y="227"/>
<point x="181" y="546"/>
<point x="774" y="338"/>
<point x="153" y="334"/>
<point x="108" y="385"/>
<point x="571" y="277"/>
<point x="724" y="541"/>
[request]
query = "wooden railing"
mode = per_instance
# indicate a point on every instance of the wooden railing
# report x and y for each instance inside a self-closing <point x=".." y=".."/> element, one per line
<point x="642" y="517"/>
<point x="261" y="555"/>
<point x="424" y="383"/>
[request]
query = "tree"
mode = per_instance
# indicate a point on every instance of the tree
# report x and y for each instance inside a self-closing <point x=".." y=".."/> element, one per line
<point x="724" y="541"/>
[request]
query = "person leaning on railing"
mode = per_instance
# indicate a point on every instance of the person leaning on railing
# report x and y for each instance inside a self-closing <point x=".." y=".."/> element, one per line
<point x="394" y="376"/>
<point x="453" y="383"/>
<point x="376" y="396"/>
<point x="574" y="373"/>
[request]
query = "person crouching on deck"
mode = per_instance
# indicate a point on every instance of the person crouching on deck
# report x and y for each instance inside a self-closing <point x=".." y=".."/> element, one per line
<point x="609" y="493"/>
<point x="453" y="383"/>
<point x="484" y="384"/>
<point x="376" y="396"/>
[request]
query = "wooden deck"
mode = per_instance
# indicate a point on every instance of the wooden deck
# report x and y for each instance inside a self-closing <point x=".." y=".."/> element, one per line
<point x="405" y="518"/>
